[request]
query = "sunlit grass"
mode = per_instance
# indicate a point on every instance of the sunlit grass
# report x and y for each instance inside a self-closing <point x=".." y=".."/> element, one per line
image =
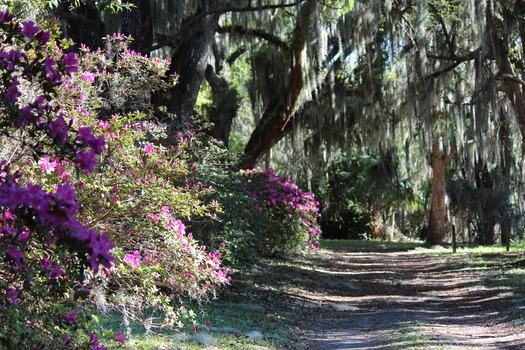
<point x="369" y="244"/>
<point x="239" y="324"/>
<point x="232" y="326"/>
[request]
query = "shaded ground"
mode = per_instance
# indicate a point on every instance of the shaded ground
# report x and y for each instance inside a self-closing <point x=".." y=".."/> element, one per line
<point x="357" y="299"/>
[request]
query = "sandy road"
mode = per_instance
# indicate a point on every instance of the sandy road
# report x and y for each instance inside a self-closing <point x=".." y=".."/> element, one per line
<point x="351" y="299"/>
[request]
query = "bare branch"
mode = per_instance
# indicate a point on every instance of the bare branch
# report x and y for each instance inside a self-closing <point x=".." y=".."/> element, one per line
<point x="220" y="11"/>
<point x="170" y="41"/>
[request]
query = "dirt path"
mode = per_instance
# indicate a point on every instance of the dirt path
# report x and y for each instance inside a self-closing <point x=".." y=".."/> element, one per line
<point x="348" y="299"/>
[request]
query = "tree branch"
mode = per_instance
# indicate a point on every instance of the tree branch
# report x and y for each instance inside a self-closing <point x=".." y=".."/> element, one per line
<point x="456" y="59"/>
<point x="170" y="41"/>
<point x="241" y="30"/>
<point x="511" y="77"/>
<point x="452" y="153"/>
<point x="220" y="11"/>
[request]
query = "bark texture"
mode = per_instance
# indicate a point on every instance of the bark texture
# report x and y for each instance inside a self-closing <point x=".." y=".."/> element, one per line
<point x="224" y="108"/>
<point x="189" y="63"/>
<point x="437" y="221"/>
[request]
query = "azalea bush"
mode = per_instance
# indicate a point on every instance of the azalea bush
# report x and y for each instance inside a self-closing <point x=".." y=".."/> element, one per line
<point x="290" y="214"/>
<point x="74" y="171"/>
<point x="263" y="214"/>
<point x="142" y="193"/>
<point x="45" y="248"/>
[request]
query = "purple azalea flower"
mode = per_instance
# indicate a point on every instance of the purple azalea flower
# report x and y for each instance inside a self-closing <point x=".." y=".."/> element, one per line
<point x="87" y="139"/>
<point x="43" y="37"/>
<point x="29" y="30"/>
<point x="86" y="161"/>
<point x="79" y="232"/>
<point x="12" y="93"/>
<point x="100" y="246"/>
<point x="66" y="197"/>
<point x="55" y="273"/>
<point x="97" y="144"/>
<point x="46" y="263"/>
<point x="16" y="255"/>
<point x="70" y="318"/>
<point x="58" y="129"/>
<point x="49" y="65"/>
<point x="12" y="294"/>
<point x="6" y="17"/>
<point x="70" y="62"/>
<point x="120" y="338"/>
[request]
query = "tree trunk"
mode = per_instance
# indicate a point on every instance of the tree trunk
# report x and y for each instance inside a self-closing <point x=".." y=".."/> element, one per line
<point x="83" y="24"/>
<point x="138" y="22"/>
<point x="437" y="222"/>
<point x="507" y="164"/>
<point x="189" y="63"/>
<point x="224" y="108"/>
<point x="275" y="118"/>
<point x="514" y="91"/>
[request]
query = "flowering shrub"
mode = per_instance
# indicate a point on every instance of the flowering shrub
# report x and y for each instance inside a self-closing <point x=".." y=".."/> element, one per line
<point x="45" y="249"/>
<point x="262" y="214"/>
<point x="138" y="195"/>
<point x="141" y="190"/>
<point x="290" y="215"/>
<point x="53" y="266"/>
<point x="123" y="80"/>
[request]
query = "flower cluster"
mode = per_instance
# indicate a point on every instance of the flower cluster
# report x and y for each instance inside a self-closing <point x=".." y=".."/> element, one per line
<point x="31" y="211"/>
<point x="44" y="247"/>
<point x="113" y="73"/>
<point x="31" y="68"/>
<point x="292" y="213"/>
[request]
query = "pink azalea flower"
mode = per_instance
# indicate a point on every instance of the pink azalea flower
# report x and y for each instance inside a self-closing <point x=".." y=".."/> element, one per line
<point x="88" y="76"/>
<point x="120" y="338"/>
<point x="133" y="259"/>
<point x="46" y="165"/>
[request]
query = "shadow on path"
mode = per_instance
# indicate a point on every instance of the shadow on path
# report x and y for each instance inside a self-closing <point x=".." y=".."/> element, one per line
<point x="350" y="299"/>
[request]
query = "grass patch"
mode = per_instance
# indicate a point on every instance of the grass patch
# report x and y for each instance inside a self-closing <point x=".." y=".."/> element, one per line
<point x="249" y="314"/>
<point x="232" y="326"/>
<point x="498" y="269"/>
<point x="370" y="244"/>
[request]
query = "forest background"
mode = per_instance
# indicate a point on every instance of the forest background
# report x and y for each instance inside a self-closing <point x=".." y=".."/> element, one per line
<point x="400" y="116"/>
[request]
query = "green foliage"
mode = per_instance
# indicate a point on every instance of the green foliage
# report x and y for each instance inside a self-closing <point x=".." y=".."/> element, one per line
<point x="361" y="190"/>
<point x="261" y="213"/>
<point x="140" y="192"/>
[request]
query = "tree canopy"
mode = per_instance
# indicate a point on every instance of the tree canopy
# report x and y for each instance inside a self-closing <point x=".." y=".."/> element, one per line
<point x="313" y="79"/>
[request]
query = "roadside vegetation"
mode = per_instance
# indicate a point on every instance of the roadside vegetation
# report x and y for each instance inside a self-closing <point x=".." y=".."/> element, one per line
<point x="183" y="180"/>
